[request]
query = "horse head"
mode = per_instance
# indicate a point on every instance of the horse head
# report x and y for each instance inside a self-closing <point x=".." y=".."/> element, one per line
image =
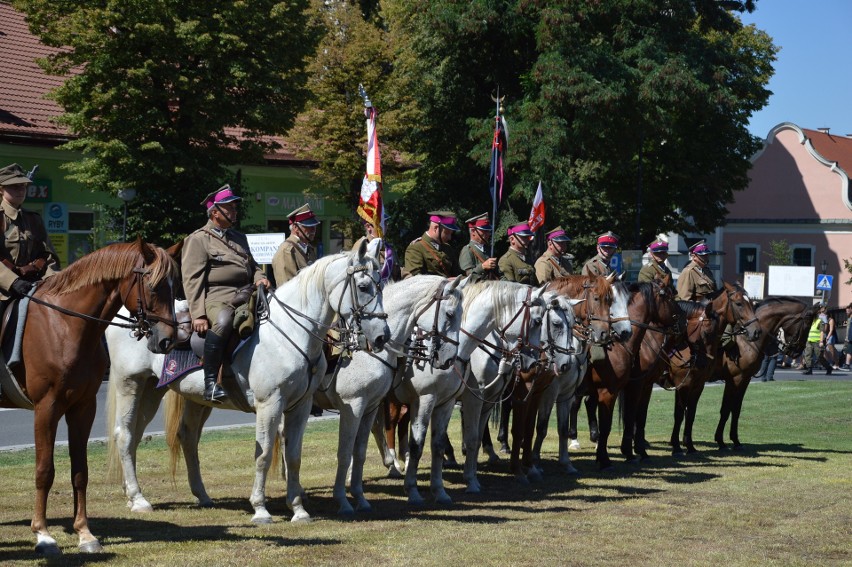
<point x="442" y="315"/>
<point x="147" y="292"/>
<point x="737" y="309"/>
<point x="557" y="331"/>
<point x="357" y="296"/>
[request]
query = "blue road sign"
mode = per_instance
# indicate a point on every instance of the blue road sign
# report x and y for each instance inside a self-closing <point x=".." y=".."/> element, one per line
<point x="616" y="264"/>
<point x="824" y="282"/>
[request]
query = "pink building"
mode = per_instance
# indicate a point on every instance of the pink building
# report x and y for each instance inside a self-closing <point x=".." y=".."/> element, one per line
<point x="799" y="192"/>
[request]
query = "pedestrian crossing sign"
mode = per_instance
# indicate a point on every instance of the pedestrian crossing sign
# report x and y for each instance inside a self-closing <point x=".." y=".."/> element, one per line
<point x="824" y="282"/>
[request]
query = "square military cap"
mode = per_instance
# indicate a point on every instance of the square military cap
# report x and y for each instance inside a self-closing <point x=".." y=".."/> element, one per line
<point x="13" y="175"/>
<point x="479" y="222"/>
<point x="220" y="196"/>
<point x="700" y="248"/>
<point x="520" y="229"/>
<point x="445" y="218"/>
<point x="659" y="246"/>
<point x="608" y="239"/>
<point x="557" y="235"/>
<point x="303" y="216"/>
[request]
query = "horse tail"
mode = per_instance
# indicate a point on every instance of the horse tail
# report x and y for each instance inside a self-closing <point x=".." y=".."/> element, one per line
<point x="276" y="457"/>
<point x="620" y="405"/>
<point x="172" y="413"/>
<point x="115" y="473"/>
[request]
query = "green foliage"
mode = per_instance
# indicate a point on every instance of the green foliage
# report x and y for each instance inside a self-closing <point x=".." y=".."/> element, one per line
<point x="166" y="94"/>
<point x="780" y="253"/>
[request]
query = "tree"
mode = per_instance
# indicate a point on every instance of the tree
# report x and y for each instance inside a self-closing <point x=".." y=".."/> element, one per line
<point x="163" y="95"/>
<point x="780" y="253"/>
<point x="601" y="97"/>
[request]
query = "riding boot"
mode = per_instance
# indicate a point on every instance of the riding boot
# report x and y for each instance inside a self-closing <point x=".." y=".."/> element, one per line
<point x="214" y="351"/>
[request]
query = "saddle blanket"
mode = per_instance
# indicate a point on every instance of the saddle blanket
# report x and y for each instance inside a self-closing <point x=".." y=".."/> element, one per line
<point x="177" y="364"/>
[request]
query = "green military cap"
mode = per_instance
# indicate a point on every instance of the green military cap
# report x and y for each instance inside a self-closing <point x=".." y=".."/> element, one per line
<point x="13" y="175"/>
<point x="303" y="216"/>
<point x="479" y="222"/>
<point x="445" y="218"/>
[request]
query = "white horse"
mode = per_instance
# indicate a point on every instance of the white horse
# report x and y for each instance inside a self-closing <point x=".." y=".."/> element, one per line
<point x="491" y="371"/>
<point x="360" y="382"/>
<point x="514" y="310"/>
<point x="278" y="369"/>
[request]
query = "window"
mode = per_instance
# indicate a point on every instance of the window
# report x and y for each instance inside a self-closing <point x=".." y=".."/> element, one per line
<point x="747" y="258"/>
<point x="803" y="255"/>
<point x="81" y="241"/>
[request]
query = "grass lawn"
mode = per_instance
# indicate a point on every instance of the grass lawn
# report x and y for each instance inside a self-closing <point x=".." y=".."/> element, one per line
<point x="786" y="499"/>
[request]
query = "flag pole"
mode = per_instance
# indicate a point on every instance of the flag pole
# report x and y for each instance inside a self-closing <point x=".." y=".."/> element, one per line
<point x="495" y="157"/>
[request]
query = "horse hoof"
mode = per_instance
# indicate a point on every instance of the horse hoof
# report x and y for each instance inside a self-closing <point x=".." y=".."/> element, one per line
<point x="574" y="445"/>
<point x="522" y="479"/>
<point x="535" y="475"/>
<point x="504" y="448"/>
<point x="494" y="459"/>
<point x="452" y="465"/>
<point x="677" y="452"/>
<point x="473" y="488"/>
<point x="570" y="470"/>
<point x="47" y="549"/>
<point x="261" y="518"/>
<point x="443" y="500"/>
<point x="300" y="518"/>
<point x="141" y="508"/>
<point x="364" y="508"/>
<point x="93" y="546"/>
<point x="416" y="501"/>
<point x="205" y="504"/>
<point x="393" y="472"/>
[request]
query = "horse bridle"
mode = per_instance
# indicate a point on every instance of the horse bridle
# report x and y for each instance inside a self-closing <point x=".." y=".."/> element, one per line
<point x="740" y="328"/>
<point x="351" y="336"/>
<point x="416" y="347"/>
<point x="797" y="345"/>
<point x="139" y="323"/>
<point x="586" y="325"/>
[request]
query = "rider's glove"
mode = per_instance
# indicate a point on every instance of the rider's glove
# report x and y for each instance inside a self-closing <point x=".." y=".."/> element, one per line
<point x="20" y="288"/>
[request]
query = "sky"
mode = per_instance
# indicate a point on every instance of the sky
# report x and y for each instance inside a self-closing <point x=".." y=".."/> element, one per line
<point x="812" y="85"/>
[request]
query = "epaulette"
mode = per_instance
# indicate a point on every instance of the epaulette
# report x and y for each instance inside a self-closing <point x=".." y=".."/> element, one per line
<point x="418" y="239"/>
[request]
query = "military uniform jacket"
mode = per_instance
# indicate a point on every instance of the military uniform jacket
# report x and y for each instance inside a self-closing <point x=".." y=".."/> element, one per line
<point x="549" y="266"/>
<point x="215" y="264"/>
<point x="597" y="266"/>
<point x="515" y="268"/>
<point x="24" y="241"/>
<point x="653" y="271"/>
<point x="425" y="256"/>
<point x="695" y="282"/>
<point x="290" y="258"/>
<point x="471" y="258"/>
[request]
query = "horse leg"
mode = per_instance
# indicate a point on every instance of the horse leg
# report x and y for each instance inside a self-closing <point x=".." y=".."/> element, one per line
<point x="471" y="436"/>
<point x="545" y="408"/>
<point x="518" y="419"/>
<point x="571" y="427"/>
<point x="80" y="418"/>
<point x="530" y="415"/>
<point x="449" y="455"/>
<point x="359" y="457"/>
<point x="679" y="409"/>
<point x="345" y="445"/>
<point x="591" y="412"/>
<point x="380" y="434"/>
<point x="402" y="427"/>
<point x="266" y="431"/>
<point x="640" y="443"/>
<point x="440" y="422"/>
<point x="503" y="431"/>
<point x="725" y="412"/>
<point x="739" y="396"/>
<point x="629" y="400"/>
<point x="46" y="421"/>
<point x="189" y="434"/>
<point x="563" y="427"/>
<point x="487" y="443"/>
<point x="605" y="410"/>
<point x="691" y="409"/>
<point x="420" y="412"/>
<point x="295" y="423"/>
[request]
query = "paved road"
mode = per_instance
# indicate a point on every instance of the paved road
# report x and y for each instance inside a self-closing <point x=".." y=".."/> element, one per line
<point x="17" y="425"/>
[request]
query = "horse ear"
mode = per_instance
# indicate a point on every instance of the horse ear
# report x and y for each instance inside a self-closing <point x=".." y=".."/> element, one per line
<point x="175" y="249"/>
<point x="374" y="247"/>
<point x="540" y="291"/>
<point x="611" y="277"/>
<point x="574" y="302"/>
<point x="362" y="250"/>
<point x="458" y="283"/>
<point x="147" y="250"/>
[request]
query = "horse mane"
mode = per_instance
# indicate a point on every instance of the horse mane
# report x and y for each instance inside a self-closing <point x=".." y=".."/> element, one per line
<point x="780" y="299"/>
<point x="690" y="308"/>
<point x="645" y="289"/>
<point x="113" y="262"/>
<point x="312" y="277"/>
<point x="575" y="285"/>
<point x="502" y="298"/>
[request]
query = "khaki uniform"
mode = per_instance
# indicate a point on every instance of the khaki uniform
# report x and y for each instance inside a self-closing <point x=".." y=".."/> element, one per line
<point x="653" y="271"/>
<point x="215" y="264"/>
<point x="549" y="266"/>
<point x="695" y="282"/>
<point x="24" y="241"/>
<point x="425" y="256"/>
<point x="514" y="268"/>
<point x="471" y="258"/>
<point x="597" y="266"/>
<point x="290" y="259"/>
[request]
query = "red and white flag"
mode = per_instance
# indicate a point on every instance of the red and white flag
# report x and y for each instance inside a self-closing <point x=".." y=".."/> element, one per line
<point x="536" y="220"/>
<point x="370" y="206"/>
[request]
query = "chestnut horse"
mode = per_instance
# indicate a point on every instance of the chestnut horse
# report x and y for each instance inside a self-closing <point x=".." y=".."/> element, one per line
<point x="727" y="306"/>
<point x="63" y="359"/>
<point x="740" y="363"/>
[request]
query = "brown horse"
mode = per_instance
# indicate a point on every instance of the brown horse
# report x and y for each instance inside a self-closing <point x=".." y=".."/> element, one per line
<point x="741" y="362"/>
<point x="727" y="306"/>
<point x="64" y="361"/>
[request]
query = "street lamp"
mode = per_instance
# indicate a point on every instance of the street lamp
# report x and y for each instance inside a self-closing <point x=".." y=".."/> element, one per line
<point x="125" y="195"/>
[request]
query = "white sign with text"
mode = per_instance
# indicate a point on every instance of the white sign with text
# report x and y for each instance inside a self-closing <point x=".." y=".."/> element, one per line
<point x="792" y="280"/>
<point x="264" y="246"/>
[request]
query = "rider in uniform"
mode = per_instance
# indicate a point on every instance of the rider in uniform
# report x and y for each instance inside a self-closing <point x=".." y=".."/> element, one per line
<point x="217" y="268"/>
<point x="473" y="258"/>
<point x="599" y="265"/>
<point x="391" y="270"/>
<point x="696" y="280"/>
<point x="431" y="253"/>
<point x="297" y="251"/>
<point x="26" y="253"/>
<point x="513" y="265"/>
<point x="555" y="262"/>
<point x="656" y="268"/>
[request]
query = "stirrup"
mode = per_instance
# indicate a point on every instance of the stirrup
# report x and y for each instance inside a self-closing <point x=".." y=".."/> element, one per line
<point x="215" y="394"/>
